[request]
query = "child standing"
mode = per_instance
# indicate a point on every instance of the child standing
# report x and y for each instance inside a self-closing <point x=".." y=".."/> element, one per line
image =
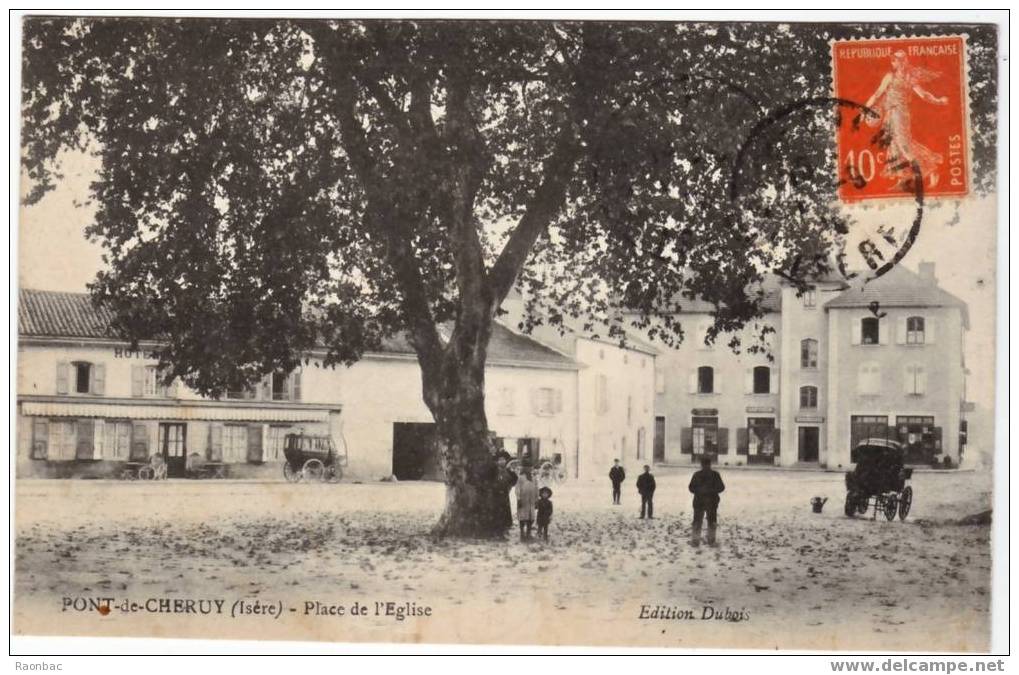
<point x="527" y="495"/>
<point x="544" y="511"/>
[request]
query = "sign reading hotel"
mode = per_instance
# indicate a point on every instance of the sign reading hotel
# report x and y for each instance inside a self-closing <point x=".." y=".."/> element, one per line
<point x="903" y="117"/>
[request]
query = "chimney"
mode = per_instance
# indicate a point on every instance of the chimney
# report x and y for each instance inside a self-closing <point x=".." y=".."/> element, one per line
<point x="926" y="270"/>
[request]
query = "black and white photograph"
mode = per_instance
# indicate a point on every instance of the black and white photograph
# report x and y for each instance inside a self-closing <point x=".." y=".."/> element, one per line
<point x="560" y="332"/>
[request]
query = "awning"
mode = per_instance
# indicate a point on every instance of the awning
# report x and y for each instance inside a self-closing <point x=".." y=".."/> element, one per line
<point x="175" y="411"/>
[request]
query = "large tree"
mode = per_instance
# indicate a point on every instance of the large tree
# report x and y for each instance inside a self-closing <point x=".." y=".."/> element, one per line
<point x="271" y="187"/>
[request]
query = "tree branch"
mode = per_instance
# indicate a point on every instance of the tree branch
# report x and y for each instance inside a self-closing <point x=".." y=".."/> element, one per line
<point x="382" y="216"/>
<point x="548" y="200"/>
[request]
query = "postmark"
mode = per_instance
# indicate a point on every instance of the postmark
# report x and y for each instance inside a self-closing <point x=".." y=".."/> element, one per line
<point x="913" y="96"/>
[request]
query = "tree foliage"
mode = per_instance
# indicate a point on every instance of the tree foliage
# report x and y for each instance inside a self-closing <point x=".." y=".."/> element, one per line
<point x="273" y="185"/>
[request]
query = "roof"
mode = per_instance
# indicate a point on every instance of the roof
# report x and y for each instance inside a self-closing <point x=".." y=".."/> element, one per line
<point x="771" y="302"/>
<point x="505" y="346"/>
<point x="898" y="287"/>
<point x="56" y="314"/>
<point x="73" y="315"/>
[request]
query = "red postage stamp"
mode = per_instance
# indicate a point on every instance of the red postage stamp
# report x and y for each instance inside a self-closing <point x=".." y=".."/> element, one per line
<point x="905" y="117"/>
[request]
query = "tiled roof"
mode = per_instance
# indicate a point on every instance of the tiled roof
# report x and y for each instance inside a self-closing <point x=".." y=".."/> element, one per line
<point x="55" y="314"/>
<point x="898" y="287"/>
<point x="771" y="302"/>
<point x="505" y="346"/>
<point x="72" y="315"/>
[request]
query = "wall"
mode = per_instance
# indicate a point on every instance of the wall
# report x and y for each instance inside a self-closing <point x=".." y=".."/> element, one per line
<point x="942" y="361"/>
<point x="623" y="428"/>
<point x="676" y="402"/>
<point x="370" y="410"/>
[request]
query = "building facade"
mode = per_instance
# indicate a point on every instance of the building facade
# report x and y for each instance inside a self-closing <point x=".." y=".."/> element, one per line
<point x="843" y="362"/>
<point x="88" y="405"/>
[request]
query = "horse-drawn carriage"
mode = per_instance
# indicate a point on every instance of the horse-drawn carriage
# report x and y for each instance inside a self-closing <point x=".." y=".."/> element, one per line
<point x="879" y="479"/>
<point x="547" y="472"/>
<point x="312" y="459"/>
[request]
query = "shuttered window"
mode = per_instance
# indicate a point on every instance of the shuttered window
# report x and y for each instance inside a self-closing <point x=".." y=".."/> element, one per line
<point x="40" y="438"/>
<point x="63" y="440"/>
<point x="274" y="443"/>
<point x="235" y="443"/>
<point x="117" y="440"/>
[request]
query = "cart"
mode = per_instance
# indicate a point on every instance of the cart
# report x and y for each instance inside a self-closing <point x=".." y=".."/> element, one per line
<point x="312" y="459"/>
<point x="879" y="480"/>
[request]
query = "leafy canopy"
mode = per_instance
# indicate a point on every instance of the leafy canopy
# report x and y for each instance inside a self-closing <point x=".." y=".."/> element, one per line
<point x="277" y="185"/>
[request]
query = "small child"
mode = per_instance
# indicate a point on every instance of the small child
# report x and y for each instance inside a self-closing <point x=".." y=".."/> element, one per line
<point x="544" y="511"/>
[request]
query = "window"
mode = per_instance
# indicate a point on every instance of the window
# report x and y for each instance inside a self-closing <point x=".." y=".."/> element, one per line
<point x="280" y="390"/>
<point x="40" y="438"/>
<point x="808" y="353"/>
<point x="235" y="443"/>
<point x="915" y="330"/>
<point x="915" y="380"/>
<point x="870" y="330"/>
<point x="150" y="380"/>
<point x="629" y="409"/>
<point x="810" y="298"/>
<point x="116" y="440"/>
<point x="507" y="401"/>
<point x="82" y="377"/>
<point x="869" y="378"/>
<point x="705" y="380"/>
<point x="808" y="397"/>
<point x="241" y="393"/>
<point x="659" y="381"/>
<point x="63" y="440"/>
<point x="762" y="380"/>
<point x="275" y="442"/>
<point x="547" y="401"/>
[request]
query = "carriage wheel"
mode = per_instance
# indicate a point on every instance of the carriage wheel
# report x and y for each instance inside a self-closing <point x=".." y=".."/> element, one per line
<point x="905" y="501"/>
<point x="334" y="474"/>
<point x="891" y="506"/>
<point x="313" y="470"/>
<point x="289" y="473"/>
<point x="146" y="473"/>
<point x="850" y="505"/>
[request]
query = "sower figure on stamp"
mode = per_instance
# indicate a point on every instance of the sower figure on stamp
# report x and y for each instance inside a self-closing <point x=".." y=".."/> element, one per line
<point x="705" y="485"/>
<point x="617" y="475"/>
<point x="646" y="488"/>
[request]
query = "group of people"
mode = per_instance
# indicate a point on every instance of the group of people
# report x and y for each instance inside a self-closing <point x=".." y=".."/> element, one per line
<point x="706" y="486"/>
<point x="534" y="504"/>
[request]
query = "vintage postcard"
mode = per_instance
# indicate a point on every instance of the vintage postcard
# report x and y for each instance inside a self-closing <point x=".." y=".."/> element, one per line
<point x="539" y="332"/>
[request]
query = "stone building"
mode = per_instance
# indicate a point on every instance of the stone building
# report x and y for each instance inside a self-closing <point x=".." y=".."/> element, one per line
<point x="847" y="361"/>
<point x="88" y="404"/>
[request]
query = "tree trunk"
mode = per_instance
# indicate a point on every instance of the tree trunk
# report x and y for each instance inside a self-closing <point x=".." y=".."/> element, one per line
<point x="476" y="498"/>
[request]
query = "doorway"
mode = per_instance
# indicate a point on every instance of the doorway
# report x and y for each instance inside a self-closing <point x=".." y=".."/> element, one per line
<point x="173" y="447"/>
<point x="415" y="452"/>
<point x="809" y="438"/>
<point x="658" y="454"/>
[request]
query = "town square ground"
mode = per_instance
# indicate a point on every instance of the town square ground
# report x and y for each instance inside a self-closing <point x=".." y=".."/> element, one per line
<point x="354" y="562"/>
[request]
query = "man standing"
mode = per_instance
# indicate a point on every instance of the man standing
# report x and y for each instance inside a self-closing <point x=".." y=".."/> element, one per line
<point x="646" y="488"/>
<point x="617" y="475"/>
<point x="705" y="485"/>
